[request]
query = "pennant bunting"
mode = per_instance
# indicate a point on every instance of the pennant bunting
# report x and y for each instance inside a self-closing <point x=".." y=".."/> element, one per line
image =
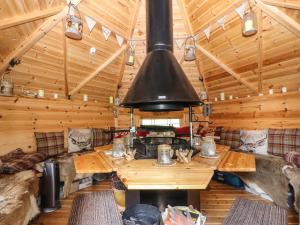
<point x="90" y="22"/>
<point x="221" y="22"/>
<point x="179" y="42"/>
<point x="132" y="44"/>
<point x="106" y="32"/>
<point x="75" y="2"/>
<point x="207" y="32"/>
<point x="120" y="39"/>
<point x="241" y="10"/>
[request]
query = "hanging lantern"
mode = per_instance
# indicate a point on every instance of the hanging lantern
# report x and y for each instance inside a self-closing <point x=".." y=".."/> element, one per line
<point x="189" y="49"/>
<point x="74" y="24"/>
<point x="249" y="23"/>
<point x="130" y="56"/>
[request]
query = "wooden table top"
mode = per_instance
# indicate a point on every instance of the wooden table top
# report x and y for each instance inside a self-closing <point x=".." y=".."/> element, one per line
<point x="146" y="174"/>
<point x="237" y="162"/>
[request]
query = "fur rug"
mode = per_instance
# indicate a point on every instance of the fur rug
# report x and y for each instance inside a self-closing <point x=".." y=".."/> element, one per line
<point x="269" y="178"/>
<point x="18" y="194"/>
<point x="293" y="174"/>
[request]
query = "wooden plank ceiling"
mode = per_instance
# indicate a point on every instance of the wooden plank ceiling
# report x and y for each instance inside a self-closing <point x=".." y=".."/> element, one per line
<point x="280" y="49"/>
<point x="228" y="62"/>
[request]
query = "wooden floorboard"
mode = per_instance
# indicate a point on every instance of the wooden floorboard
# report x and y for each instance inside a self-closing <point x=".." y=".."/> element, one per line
<point x="215" y="204"/>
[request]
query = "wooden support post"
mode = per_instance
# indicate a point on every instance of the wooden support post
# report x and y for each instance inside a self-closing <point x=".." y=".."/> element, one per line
<point x="65" y="49"/>
<point x="122" y="69"/>
<point x="226" y="68"/>
<point x="280" y="17"/>
<point x="29" y="17"/>
<point x="202" y="75"/>
<point x="98" y="70"/>
<point x="260" y="50"/>
<point x="30" y="41"/>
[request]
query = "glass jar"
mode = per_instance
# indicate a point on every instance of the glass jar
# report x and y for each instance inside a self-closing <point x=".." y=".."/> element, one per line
<point x="164" y="154"/>
<point x="208" y="146"/>
<point x="118" y="148"/>
<point x="197" y="142"/>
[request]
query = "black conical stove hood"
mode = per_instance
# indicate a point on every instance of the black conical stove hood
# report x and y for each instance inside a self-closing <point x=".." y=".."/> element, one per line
<point x="160" y="84"/>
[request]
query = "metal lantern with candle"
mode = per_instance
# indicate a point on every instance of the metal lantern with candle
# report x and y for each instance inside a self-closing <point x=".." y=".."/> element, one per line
<point x="130" y="56"/>
<point x="74" y="25"/>
<point x="6" y="85"/>
<point x="189" y="49"/>
<point x="249" y="23"/>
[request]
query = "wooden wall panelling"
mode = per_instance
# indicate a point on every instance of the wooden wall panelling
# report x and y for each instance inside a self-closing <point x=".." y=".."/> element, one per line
<point x="280" y="17"/>
<point x="33" y="38"/>
<point x="29" y="17"/>
<point x="99" y="69"/>
<point x="11" y="37"/>
<point x="260" y="112"/>
<point x="113" y="14"/>
<point x="240" y="54"/>
<point x="21" y="117"/>
<point x="290" y="4"/>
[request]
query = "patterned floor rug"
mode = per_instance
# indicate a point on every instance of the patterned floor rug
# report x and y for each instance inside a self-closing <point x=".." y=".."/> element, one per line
<point x="95" y="209"/>
<point x="249" y="212"/>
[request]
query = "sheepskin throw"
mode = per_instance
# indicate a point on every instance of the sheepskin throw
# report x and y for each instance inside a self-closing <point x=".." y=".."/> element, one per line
<point x="18" y="193"/>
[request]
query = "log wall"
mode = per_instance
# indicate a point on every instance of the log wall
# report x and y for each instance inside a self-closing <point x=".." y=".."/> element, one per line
<point x="276" y="111"/>
<point x="21" y="117"/>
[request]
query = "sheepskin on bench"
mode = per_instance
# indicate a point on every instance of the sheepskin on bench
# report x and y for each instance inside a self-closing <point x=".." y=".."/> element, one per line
<point x="18" y="194"/>
<point x="293" y="174"/>
<point x="269" y="178"/>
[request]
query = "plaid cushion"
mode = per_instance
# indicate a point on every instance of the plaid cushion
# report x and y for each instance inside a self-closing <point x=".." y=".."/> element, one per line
<point x="292" y="157"/>
<point x="218" y="132"/>
<point x="51" y="143"/>
<point x="282" y="141"/>
<point x="231" y="138"/>
<point x="101" y="137"/>
<point x="17" y="164"/>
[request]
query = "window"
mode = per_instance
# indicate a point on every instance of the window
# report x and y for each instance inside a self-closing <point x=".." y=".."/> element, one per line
<point x="162" y="122"/>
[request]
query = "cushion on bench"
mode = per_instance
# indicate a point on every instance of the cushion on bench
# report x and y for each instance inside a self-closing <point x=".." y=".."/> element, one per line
<point x="282" y="141"/>
<point x="50" y="143"/>
<point x="231" y="138"/>
<point x="101" y="137"/>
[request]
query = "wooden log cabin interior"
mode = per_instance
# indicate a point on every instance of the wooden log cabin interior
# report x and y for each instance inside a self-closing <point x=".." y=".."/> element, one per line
<point x="120" y="111"/>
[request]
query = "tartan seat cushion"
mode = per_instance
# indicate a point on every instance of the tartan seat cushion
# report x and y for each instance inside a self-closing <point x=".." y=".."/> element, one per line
<point x="50" y="143"/>
<point x="293" y="158"/>
<point x="101" y="137"/>
<point x="231" y="138"/>
<point x="282" y="141"/>
<point x="17" y="161"/>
